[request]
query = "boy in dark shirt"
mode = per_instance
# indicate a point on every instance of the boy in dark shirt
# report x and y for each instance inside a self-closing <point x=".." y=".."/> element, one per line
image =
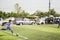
<point x="58" y="23"/>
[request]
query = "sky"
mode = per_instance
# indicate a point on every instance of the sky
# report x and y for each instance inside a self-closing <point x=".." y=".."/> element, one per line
<point x="29" y="6"/>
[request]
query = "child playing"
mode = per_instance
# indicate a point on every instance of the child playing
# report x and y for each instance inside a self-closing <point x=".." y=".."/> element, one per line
<point x="8" y="27"/>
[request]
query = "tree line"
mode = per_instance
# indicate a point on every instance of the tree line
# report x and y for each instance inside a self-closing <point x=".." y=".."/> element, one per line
<point x="5" y="15"/>
<point x="25" y="14"/>
<point x="43" y="14"/>
<point x="22" y="13"/>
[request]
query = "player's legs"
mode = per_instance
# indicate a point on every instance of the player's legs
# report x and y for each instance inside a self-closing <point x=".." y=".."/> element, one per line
<point x="8" y="28"/>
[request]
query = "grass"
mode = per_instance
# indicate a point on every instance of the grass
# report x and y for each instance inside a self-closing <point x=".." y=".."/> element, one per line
<point x="6" y="36"/>
<point x="34" y="32"/>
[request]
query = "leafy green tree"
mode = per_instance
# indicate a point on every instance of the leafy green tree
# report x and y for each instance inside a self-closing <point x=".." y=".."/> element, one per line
<point x="52" y="12"/>
<point x="3" y="14"/>
<point x="39" y="13"/>
<point x="0" y="14"/>
<point x="24" y="14"/>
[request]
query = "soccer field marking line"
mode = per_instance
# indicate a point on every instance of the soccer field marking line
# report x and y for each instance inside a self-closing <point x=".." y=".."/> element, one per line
<point x="20" y="36"/>
<point x="17" y="34"/>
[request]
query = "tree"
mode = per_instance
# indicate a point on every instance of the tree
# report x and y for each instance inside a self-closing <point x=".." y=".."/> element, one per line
<point x="39" y="13"/>
<point x="8" y="14"/>
<point x="52" y="12"/>
<point x="0" y="14"/>
<point x="23" y="14"/>
<point x="3" y="14"/>
<point x="17" y="7"/>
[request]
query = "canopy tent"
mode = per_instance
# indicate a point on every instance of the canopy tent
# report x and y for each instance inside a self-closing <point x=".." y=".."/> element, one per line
<point x="32" y="17"/>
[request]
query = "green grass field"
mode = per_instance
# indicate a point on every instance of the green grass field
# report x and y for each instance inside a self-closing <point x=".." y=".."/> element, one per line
<point x="33" y="32"/>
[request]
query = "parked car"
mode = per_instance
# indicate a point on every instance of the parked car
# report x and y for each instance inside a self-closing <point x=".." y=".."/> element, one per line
<point x="23" y="21"/>
<point x="40" y="21"/>
<point x="3" y="22"/>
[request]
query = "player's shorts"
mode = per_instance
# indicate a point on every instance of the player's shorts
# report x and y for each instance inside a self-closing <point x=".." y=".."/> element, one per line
<point x="8" y="28"/>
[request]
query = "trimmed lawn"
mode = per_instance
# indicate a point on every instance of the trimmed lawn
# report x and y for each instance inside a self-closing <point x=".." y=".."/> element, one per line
<point x="34" y="32"/>
<point x="7" y="36"/>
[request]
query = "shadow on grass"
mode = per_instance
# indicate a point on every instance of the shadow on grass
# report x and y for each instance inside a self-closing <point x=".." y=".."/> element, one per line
<point x="1" y="35"/>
